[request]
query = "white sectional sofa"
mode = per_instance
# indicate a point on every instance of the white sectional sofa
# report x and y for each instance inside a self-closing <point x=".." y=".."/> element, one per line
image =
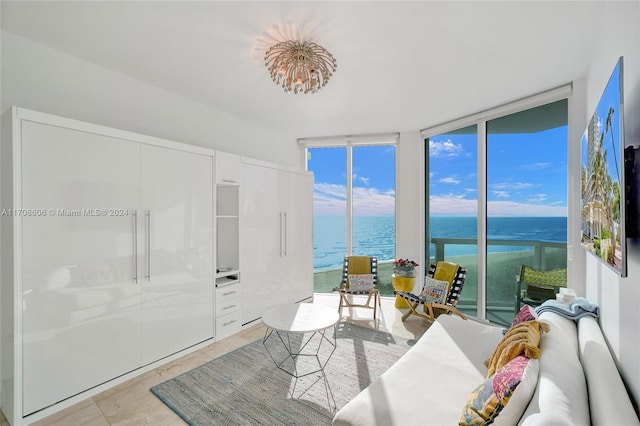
<point x="577" y="384"/>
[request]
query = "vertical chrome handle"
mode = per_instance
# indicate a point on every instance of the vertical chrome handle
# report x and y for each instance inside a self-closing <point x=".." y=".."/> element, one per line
<point x="148" y="245"/>
<point x="135" y="246"/>
<point x="285" y="233"/>
<point x="280" y="233"/>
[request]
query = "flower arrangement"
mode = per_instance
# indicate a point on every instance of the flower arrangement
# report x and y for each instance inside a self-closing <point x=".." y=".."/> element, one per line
<point x="404" y="268"/>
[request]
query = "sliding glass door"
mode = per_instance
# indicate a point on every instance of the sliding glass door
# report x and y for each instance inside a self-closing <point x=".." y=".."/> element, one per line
<point x="526" y="200"/>
<point x="497" y="192"/>
<point x="452" y="184"/>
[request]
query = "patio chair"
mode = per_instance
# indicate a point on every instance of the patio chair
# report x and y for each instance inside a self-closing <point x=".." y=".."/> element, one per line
<point x="535" y="286"/>
<point x="453" y="275"/>
<point x="359" y="278"/>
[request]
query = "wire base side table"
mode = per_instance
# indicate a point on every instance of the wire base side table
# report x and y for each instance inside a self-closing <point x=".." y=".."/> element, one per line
<point x="306" y="343"/>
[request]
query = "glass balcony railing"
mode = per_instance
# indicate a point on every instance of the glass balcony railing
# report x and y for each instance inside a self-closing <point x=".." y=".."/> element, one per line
<point x="504" y="259"/>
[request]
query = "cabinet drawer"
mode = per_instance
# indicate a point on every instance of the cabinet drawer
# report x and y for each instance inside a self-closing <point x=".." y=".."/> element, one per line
<point x="227" y="293"/>
<point x="227" y="307"/>
<point x="228" y="324"/>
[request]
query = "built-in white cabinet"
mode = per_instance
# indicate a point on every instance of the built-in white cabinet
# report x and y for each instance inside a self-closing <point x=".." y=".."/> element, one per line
<point x="175" y="262"/>
<point x="275" y="237"/>
<point x="75" y="275"/>
<point x="120" y="250"/>
<point x="227" y="168"/>
<point x="228" y="277"/>
<point x="107" y="256"/>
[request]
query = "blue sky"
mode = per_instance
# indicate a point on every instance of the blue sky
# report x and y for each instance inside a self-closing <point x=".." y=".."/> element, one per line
<point x="373" y="180"/>
<point x="527" y="176"/>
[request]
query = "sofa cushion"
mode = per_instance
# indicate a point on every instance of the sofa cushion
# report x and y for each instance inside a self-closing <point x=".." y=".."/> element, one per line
<point x="560" y="397"/>
<point x="521" y="339"/>
<point x="431" y="381"/>
<point x="503" y="397"/>
<point x="599" y="369"/>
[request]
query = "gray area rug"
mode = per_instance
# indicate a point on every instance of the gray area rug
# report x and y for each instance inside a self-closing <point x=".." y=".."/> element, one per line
<point x="244" y="387"/>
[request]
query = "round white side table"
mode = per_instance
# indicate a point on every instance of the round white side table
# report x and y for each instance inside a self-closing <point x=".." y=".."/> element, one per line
<point x="302" y="330"/>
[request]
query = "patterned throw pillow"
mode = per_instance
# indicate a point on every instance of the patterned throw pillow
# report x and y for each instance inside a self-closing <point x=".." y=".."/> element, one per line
<point x="527" y="313"/>
<point x="434" y="291"/>
<point x="522" y="339"/>
<point x="514" y="384"/>
<point x="360" y="282"/>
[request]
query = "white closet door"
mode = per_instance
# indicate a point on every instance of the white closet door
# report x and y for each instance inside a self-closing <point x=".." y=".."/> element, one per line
<point x="81" y="310"/>
<point x="261" y="244"/>
<point x="298" y="206"/>
<point x="176" y="245"/>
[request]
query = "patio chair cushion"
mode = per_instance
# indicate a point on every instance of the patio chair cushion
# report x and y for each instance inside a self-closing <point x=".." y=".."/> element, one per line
<point x="358" y="265"/>
<point x="446" y="271"/>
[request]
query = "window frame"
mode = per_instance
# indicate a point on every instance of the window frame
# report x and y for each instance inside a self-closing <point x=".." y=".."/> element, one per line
<point x="480" y="119"/>
<point x="349" y="142"/>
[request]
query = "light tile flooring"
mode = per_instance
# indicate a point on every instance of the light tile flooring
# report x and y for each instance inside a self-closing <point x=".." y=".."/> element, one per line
<point x="132" y="403"/>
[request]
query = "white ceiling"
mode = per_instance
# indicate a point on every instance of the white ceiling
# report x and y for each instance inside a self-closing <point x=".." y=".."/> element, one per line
<point x="401" y="65"/>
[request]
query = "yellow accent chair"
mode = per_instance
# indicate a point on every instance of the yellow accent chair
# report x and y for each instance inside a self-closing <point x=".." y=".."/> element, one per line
<point x="447" y="272"/>
<point x="365" y="270"/>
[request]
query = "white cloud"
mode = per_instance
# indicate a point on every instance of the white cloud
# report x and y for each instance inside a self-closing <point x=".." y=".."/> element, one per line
<point x="373" y="202"/>
<point x="450" y="179"/>
<point x="330" y="200"/>
<point x="511" y="185"/>
<point x="501" y="194"/>
<point x="457" y="205"/>
<point x="444" y="149"/>
<point x="536" y="166"/>
<point x="364" y="180"/>
<point x="537" y="198"/>
<point x="452" y="204"/>
<point x="509" y="208"/>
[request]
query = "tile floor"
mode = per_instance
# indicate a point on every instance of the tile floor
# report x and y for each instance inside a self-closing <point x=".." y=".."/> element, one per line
<point x="132" y="403"/>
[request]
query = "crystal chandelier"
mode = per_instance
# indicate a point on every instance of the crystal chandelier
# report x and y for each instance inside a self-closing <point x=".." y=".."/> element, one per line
<point x="301" y="67"/>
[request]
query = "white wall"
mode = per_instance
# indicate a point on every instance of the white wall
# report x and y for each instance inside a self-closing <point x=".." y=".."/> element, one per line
<point x="43" y="79"/>
<point x="409" y="199"/>
<point x="619" y="298"/>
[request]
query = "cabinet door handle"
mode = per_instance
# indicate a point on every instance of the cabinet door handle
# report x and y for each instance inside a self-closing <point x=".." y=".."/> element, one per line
<point x="135" y="246"/>
<point x="230" y="180"/>
<point x="148" y="245"/>
<point x="280" y="233"/>
<point x="228" y="323"/>
<point x="285" y="233"/>
<point x="229" y="307"/>
<point x="229" y="293"/>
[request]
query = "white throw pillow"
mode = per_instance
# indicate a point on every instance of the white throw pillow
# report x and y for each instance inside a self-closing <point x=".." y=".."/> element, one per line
<point x="360" y="282"/>
<point x="434" y="290"/>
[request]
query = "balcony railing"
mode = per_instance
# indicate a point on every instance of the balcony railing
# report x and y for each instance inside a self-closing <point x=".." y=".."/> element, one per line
<point x="503" y="266"/>
<point x="539" y="260"/>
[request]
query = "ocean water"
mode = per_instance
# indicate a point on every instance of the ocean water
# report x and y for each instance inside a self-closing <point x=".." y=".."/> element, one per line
<point x="375" y="236"/>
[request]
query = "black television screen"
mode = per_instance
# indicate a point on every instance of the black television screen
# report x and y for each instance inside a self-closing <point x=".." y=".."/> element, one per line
<point x="602" y="178"/>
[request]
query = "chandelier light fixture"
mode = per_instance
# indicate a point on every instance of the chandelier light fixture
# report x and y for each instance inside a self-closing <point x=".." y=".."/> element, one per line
<point x="300" y="67"/>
